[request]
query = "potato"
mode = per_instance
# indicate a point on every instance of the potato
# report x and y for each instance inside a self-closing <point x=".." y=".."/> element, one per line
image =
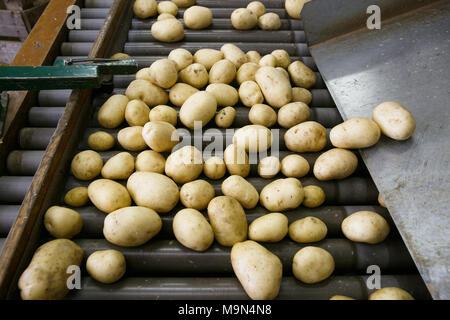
<point x="259" y="271"/>
<point x="394" y="120"/>
<point x="144" y="74"/>
<point x="194" y="75"/>
<point x="214" y="168"/>
<point x="120" y="56"/>
<point x="282" y="194"/>
<point x="192" y="230"/>
<point x="263" y="115"/>
<point x="77" y="197"/>
<point x="86" y="165"/>
<point x="236" y="160"/>
<point x="136" y="113"/>
<point x="181" y="57"/>
<point x="153" y="190"/>
<point x="390" y="293"/>
<point x="112" y="113"/>
<point x="253" y="56"/>
<point x="381" y="201"/>
<point x="294" y="166"/>
<point x="164" y="113"/>
<point x="131" y="226"/>
<point x="62" y="222"/>
<point x="46" y="276"/>
<point x="131" y="139"/>
<point x="185" y="164"/>
<point x="119" y="167"/>
<point x="164" y="16"/>
<point x="146" y="91"/>
<point x="196" y="194"/>
<point x="243" y="19"/>
<point x="268" y="61"/>
<point x="168" y="30"/>
<point x="198" y="110"/>
<point x="250" y="93"/>
<point x="314" y="196"/>
<point x="292" y="114"/>
<point x="339" y="297"/>
<point x="208" y="57"/>
<point x="269" y="21"/>
<point x="253" y="138"/>
<point x="160" y="136"/>
<point x="355" y="133"/>
<point x="101" y="141"/>
<point x="108" y="195"/>
<point x="150" y="161"/>
<point x="167" y="7"/>
<point x="335" y="164"/>
<point x="282" y="57"/>
<point x="301" y="95"/>
<point x="309" y="136"/>
<point x="225" y="94"/>
<point x="365" y="226"/>
<point x="163" y="73"/>
<point x="257" y="8"/>
<point x="240" y="189"/>
<point x="301" y="75"/>
<point x="272" y="227"/>
<point x="312" y="265"/>
<point x="106" y="266"/>
<point x="197" y="17"/>
<point x="268" y="167"/>
<point x="225" y="117"/>
<point x="184" y="3"/>
<point x="180" y="92"/>
<point x="228" y="220"/>
<point x="234" y="54"/>
<point x="145" y="8"/>
<point x="276" y="88"/>
<point x="222" y="71"/>
<point x="247" y="72"/>
<point x="294" y="7"/>
<point x="306" y="230"/>
<point x="284" y="72"/>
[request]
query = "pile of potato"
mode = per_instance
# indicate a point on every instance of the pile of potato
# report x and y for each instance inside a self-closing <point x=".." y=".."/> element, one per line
<point x="255" y="14"/>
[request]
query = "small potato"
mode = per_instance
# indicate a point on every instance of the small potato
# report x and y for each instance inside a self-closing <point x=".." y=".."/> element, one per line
<point x="284" y="72"/>
<point x="253" y="138"/>
<point x="112" y="112"/>
<point x="394" y="120"/>
<point x="214" y="168"/>
<point x="144" y="74"/>
<point x="314" y="196"/>
<point x="146" y="91"/>
<point x="197" y="17"/>
<point x="225" y="117"/>
<point x="365" y="226"/>
<point x="163" y="113"/>
<point x="164" y="16"/>
<point x="282" y="194"/>
<point x="268" y="61"/>
<point x="119" y="167"/>
<point x="196" y="194"/>
<point x="301" y="75"/>
<point x="167" y="7"/>
<point x="355" y="133"/>
<point x="390" y="293"/>
<point x="294" y="166"/>
<point x="240" y="189"/>
<point x="131" y="226"/>
<point x="306" y="230"/>
<point x="276" y="88"/>
<point x="236" y="160"/>
<point x="247" y="72"/>
<point x="106" y="266"/>
<point x="294" y="7"/>
<point x="86" y="165"/>
<point x="301" y="95"/>
<point x="160" y="136"/>
<point x="272" y="227"/>
<point x="222" y="71"/>
<point x="77" y="197"/>
<point x="180" y="92"/>
<point x="145" y="8"/>
<point x="168" y="30"/>
<point x="269" y="21"/>
<point x="136" y="113"/>
<point x="192" y="230"/>
<point x="283" y="58"/>
<point x="208" y="57"/>
<point x="253" y="56"/>
<point x="181" y="57"/>
<point x="309" y="136"/>
<point x="234" y="54"/>
<point x="263" y="115"/>
<point x="108" y="195"/>
<point x="150" y="161"/>
<point x="62" y="222"/>
<point x="184" y="3"/>
<point x="228" y="220"/>
<point x="259" y="271"/>
<point x="381" y="201"/>
<point x="194" y="75"/>
<point x="198" y="110"/>
<point x="185" y="164"/>
<point x="225" y="94"/>
<point x="163" y="73"/>
<point x="120" y="56"/>
<point x="335" y="164"/>
<point x="153" y="190"/>
<point x="250" y="93"/>
<point x="292" y="114"/>
<point x="257" y="8"/>
<point x="312" y="265"/>
<point x="101" y="141"/>
<point x="339" y="297"/>
<point x="243" y="19"/>
<point x="268" y="167"/>
<point x="130" y="139"/>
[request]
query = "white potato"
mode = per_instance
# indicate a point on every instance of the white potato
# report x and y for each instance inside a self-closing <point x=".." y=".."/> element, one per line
<point x="160" y="136"/>
<point x="236" y="160"/>
<point x="240" y="189"/>
<point x="301" y="95"/>
<point x="253" y="56"/>
<point x="295" y="166"/>
<point x="306" y="230"/>
<point x="86" y="165"/>
<point x="62" y="222"/>
<point x="136" y="113"/>
<point x="150" y="161"/>
<point x="268" y="61"/>
<point x="225" y="117"/>
<point x="394" y="120"/>
<point x="130" y="138"/>
<point x="335" y="164"/>
<point x="181" y="57"/>
<point x="268" y="167"/>
<point x="314" y="196"/>
<point x="208" y="57"/>
<point x="269" y="21"/>
<point x="146" y="91"/>
<point x="163" y="73"/>
<point x="301" y="75"/>
<point x="234" y="54"/>
<point x="247" y="72"/>
<point x="294" y="7"/>
<point x="108" y="195"/>
<point x="167" y="7"/>
<point x="282" y="194"/>
<point x="365" y="226"/>
<point x="192" y="230"/>
<point x="272" y="227"/>
<point x="198" y="109"/>
<point x="214" y="168"/>
<point x="243" y="19"/>
<point x="112" y="113"/>
<point x="106" y="266"/>
<point x="145" y="8"/>
<point x="223" y="71"/>
<point x="164" y="16"/>
<point x="184" y="3"/>
<point x="283" y="58"/>
<point x="180" y="92"/>
<point x="257" y="8"/>
<point x="339" y="297"/>
<point x="225" y="94"/>
<point x="312" y="265"/>
<point x="390" y="293"/>
<point x="168" y="30"/>
<point x="263" y="115"/>
<point x="118" y="167"/>
<point x="381" y="201"/>
<point x="185" y="164"/>
<point x="292" y="114"/>
<point x="355" y="133"/>
<point x="77" y="197"/>
<point x="250" y="93"/>
<point x="253" y="138"/>
<point x="196" y="194"/>
<point x="197" y="17"/>
<point x="309" y="136"/>
<point x="143" y="74"/>
<point x="276" y="88"/>
<point x="164" y="113"/>
<point x="101" y="141"/>
<point x="194" y="75"/>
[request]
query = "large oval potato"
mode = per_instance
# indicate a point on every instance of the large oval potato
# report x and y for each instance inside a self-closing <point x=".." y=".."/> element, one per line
<point x="106" y="266"/>
<point x="225" y="117"/>
<point x="314" y="196"/>
<point x="301" y="75"/>
<point x="268" y="167"/>
<point x="181" y="57"/>
<point x="394" y="120"/>
<point x="168" y="30"/>
<point x="301" y="95"/>
<point x="236" y="160"/>
<point x="228" y="220"/>
<point x="146" y="91"/>
<point x="271" y="227"/>
<point x="180" y="92"/>
<point x="269" y="21"/>
<point x="257" y="7"/>
<point x="145" y="8"/>
<point x="197" y="17"/>
<point x="86" y="165"/>
<point x="77" y="197"/>
<point x="150" y="161"/>
<point x="247" y="72"/>
<point x="112" y="113"/>
<point x="306" y="230"/>
<point x="163" y="113"/>
<point x="196" y="194"/>
<point x="335" y="164"/>
<point x="143" y="74"/>
<point x="225" y="94"/>
<point x="160" y="136"/>
<point x="62" y="222"/>
<point x="131" y="226"/>
<point x="355" y="133"/>
<point x="309" y="136"/>
<point x="198" y="110"/>
<point x="118" y="167"/>
<point x="250" y="93"/>
<point x="253" y="56"/>
<point x="312" y="264"/>
<point x="282" y="194"/>
<point x="108" y="195"/>
<point x="240" y="189"/>
<point x="365" y="226"/>
<point x="214" y="168"/>
<point x="263" y="115"/>
<point x="194" y="75"/>
<point x="136" y="113"/>
<point x="184" y="3"/>
<point x="243" y="19"/>
<point x="101" y="141"/>
<point x="153" y="190"/>
<point x="390" y="293"/>
<point x="163" y="73"/>
<point x="276" y="88"/>
<point x="268" y="61"/>
<point x="292" y="114"/>
<point x="234" y="54"/>
<point x="223" y="71"/>
<point x="185" y="164"/>
<point x="131" y="139"/>
<point x="294" y="7"/>
<point x="167" y="7"/>
<point x="294" y="166"/>
<point x="253" y="138"/>
<point x="46" y="276"/>
<point x="208" y="57"/>
<point x="192" y="230"/>
<point x="283" y="58"/>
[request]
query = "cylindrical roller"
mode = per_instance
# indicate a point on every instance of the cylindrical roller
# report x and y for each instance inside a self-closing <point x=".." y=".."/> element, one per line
<point x="94" y="13"/>
<point x="44" y="116"/>
<point x="24" y="162"/>
<point x="35" y="138"/>
<point x="8" y="214"/>
<point x="98" y="3"/>
<point x="226" y="12"/>
<point x="53" y="98"/>
<point x="91" y="24"/>
<point x="206" y="3"/>
<point x="14" y="188"/>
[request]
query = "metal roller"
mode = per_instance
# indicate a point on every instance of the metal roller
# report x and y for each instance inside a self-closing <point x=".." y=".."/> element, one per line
<point x="8" y="214"/>
<point x="94" y="13"/>
<point x="35" y="138"/>
<point x="91" y="24"/>
<point x="24" y="162"/>
<point x="13" y="188"/>
<point x="45" y="116"/>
